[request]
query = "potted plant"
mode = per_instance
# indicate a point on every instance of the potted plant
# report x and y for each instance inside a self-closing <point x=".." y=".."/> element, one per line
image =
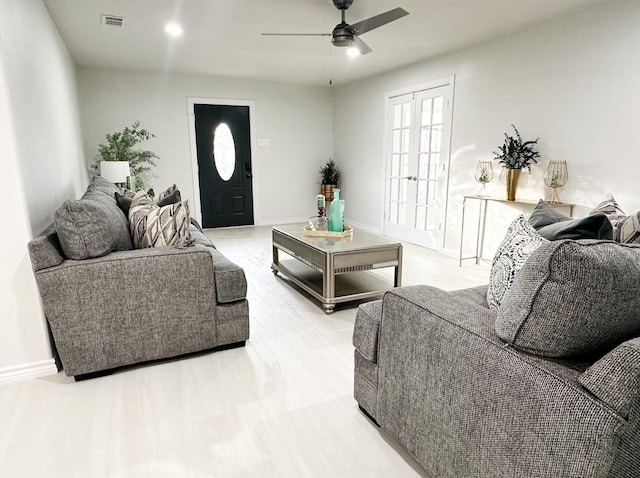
<point x="329" y="179"/>
<point x="119" y="147"/>
<point x="514" y="155"/>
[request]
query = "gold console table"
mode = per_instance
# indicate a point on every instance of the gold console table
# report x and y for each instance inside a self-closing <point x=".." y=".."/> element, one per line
<point x="482" y="219"/>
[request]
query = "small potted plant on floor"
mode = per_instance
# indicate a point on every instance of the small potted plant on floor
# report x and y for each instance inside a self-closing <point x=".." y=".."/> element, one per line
<point x="514" y="155"/>
<point x="329" y="179"/>
<point x="119" y="147"/>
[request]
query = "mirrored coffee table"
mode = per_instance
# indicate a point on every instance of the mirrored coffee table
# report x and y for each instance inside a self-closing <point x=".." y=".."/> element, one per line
<point x="335" y="270"/>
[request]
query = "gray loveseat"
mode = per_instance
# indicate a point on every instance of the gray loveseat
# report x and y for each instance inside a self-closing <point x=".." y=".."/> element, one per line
<point x="121" y="306"/>
<point x="547" y="386"/>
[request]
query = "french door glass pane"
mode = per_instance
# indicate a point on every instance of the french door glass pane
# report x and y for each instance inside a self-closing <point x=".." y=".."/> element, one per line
<point x="406" y="115"/>
<point x="426" y="112"/>
<point x="425" y="139"/>
<point x="395" y="143"/>
<point x="436" y="139"/>
<point x="395" y="165"/>
<point x="397" y="116"/>
<point x="437" y="110"/>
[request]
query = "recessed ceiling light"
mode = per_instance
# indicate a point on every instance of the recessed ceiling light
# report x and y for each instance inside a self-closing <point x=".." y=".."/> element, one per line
<point x="173" y="29"/>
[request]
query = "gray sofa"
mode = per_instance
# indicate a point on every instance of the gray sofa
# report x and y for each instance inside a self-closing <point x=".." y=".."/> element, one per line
<point x="546" y="386"/>
<point x="122" y="306"/>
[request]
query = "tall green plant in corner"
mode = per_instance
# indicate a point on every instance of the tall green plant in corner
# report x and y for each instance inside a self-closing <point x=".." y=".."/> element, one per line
<point x="119" y="147"/>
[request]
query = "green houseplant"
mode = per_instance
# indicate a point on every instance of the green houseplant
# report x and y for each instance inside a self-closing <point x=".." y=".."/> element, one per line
<point x="514" y="155"/>
<point x="119" y="147"/>
<point x="329" y="179"/>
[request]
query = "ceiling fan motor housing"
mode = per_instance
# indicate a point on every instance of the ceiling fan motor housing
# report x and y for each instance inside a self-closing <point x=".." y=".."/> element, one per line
<point x="342" y="4"/>
<point x="341" y="35"/>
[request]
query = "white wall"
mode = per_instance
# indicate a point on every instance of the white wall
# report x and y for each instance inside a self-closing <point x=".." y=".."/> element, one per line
<point x="572" y="81"/>
<point x="297" y="120"/>
<point x="41" y="165"/>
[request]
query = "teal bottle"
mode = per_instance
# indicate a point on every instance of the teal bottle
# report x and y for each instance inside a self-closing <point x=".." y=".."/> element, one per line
<point x="336" y="213"/>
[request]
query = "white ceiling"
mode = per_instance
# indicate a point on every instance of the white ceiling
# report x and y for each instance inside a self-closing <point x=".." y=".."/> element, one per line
<point x="222" y="37"/>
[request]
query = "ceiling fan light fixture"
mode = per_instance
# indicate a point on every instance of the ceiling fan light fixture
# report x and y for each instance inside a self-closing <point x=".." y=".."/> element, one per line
<point x="173" y="29"/>
<point x="353" y="51"/>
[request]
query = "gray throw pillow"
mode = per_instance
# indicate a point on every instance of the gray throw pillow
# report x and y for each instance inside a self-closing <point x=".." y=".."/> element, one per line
<point x="594" y="226"/>
<point x="92" y="226"/>
<point x="544" y="214"/>
<point x="101" y="185"/>
<point x="554" y="225"/>
<point x="516" y="247"/>
<point x="572" y="299"/>
<point x="124" y="200"/>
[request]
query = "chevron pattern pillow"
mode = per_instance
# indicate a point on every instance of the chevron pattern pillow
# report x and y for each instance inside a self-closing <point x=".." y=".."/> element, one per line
<point x="155" y="226"/>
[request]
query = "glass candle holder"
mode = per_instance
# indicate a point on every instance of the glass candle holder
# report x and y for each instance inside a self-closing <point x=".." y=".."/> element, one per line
<point x="555" y="177"/>
<point x="484" y="174"/>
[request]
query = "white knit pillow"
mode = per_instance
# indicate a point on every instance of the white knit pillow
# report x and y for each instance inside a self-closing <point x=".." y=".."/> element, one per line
<point x="516" y="247"/>
<point x="155" y="226"/>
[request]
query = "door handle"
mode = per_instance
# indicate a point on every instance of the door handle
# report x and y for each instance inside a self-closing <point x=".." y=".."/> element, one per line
<point x="412" y="178"/>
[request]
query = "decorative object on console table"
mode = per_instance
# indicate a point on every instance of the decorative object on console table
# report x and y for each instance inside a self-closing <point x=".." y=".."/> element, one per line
<point x="119" y="148"/>
<point x="484" y="174"/>
<point x="336" y="213"/>
<point x="514" y="155"/>
<point x="555" y="177"/>
<point x="329" y="179"/>
<point x="116" y="172"/>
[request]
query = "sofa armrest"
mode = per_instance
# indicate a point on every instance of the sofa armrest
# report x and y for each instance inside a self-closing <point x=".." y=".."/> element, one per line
<point x="615" y="378"/>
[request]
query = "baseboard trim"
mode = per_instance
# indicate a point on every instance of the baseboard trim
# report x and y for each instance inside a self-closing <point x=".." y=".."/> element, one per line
<point x="358" y="225"/>
<point x="28" y="371"/>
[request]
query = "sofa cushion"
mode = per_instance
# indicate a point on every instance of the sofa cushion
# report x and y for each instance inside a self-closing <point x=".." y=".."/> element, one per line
<point x="167" y="192"/>
<point x="629" y="230"/>
<point x="155" y="226"/>
<point x="124" y="200"/>
<point x="573" y="298"/>
<point x="92" y="226"/>
<point x="366" y="329"/>
<point x="518" y="244"/>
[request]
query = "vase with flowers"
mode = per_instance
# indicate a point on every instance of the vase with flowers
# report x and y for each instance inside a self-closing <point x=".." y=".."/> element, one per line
<point x="514" y="155"/>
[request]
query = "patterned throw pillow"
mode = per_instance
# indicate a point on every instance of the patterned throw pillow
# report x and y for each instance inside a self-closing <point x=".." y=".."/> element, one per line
<point x="613" y="212"/>
<point x="516" y="247"/>
<point x="155" y="226"/>
<point x="629" y="230"/>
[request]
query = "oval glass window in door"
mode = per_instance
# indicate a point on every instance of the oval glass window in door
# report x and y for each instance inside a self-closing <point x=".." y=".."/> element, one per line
<point x="224" y="151"/>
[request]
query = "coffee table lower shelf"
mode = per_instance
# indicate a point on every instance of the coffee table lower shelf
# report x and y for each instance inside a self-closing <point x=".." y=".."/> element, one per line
<point x="349" y="286"/>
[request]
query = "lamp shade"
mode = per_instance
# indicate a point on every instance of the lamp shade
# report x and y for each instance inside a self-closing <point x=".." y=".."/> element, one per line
<point x="115" y="171"/>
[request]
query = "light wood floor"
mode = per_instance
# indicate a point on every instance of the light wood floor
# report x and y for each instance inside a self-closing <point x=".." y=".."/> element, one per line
<point x="280" y="407"/>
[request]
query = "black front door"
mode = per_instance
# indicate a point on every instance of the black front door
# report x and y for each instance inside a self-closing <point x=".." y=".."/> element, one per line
<point x="223" y="143"/>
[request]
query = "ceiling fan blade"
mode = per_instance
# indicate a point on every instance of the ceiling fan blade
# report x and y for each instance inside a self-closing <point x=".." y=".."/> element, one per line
<point x="362" y="47"/>
<point x="296" y="34"/>
<point x="374" y="22"/>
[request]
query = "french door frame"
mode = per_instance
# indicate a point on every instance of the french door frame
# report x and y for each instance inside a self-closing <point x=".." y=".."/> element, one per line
<point x="448" y="81"/>
<point x="191" y="101"/>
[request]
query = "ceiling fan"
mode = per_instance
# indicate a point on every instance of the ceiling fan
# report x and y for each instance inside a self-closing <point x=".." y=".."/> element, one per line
<point x="349" y="35"/>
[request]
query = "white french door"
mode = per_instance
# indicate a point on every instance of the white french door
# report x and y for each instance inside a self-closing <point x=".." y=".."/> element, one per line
<point x="417" y="165"/>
